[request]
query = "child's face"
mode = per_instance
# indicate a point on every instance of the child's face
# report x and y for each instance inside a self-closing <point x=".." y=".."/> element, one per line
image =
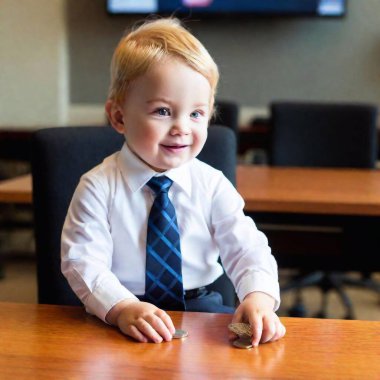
<point x="165" y="115"/>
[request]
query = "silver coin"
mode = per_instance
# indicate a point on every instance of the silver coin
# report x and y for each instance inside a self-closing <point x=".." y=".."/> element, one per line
<point x="180" y="334"/>
<point x="244" y="342"/>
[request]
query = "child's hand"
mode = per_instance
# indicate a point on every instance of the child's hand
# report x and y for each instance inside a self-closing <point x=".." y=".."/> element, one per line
<point x="142" y="321"/>
<point x="257" y="310"/>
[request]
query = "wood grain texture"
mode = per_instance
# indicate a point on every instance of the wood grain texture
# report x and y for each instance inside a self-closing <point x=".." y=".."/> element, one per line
<point x="310" y="190"/>
<point x="58" y="342"/>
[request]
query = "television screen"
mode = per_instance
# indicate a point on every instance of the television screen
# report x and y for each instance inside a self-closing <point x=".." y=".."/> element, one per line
<point x="204" y="7"/>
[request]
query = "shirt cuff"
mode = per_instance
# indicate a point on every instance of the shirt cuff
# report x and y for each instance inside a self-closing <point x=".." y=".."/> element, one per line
<point x="259" y="282"/>
<point x="106" y="296"/>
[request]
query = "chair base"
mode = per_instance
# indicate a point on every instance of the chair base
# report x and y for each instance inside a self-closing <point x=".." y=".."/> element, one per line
<point x="327" y="281"/>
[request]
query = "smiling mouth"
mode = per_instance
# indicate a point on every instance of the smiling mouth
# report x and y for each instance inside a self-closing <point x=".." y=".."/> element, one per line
<point x="174" y="147"/>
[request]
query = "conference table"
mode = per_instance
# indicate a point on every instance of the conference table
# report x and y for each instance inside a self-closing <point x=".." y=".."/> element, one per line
<point x="274" y="189"/>
<point x="310" y="190"/>
<point x="64" y="342"/>
<point x="16" y="190"/>
<point x="322" y="218"/>
<point x="347" y="198"/>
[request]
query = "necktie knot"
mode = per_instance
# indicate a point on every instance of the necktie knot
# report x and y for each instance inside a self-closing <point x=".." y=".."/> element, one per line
<point x="160" y="184"/>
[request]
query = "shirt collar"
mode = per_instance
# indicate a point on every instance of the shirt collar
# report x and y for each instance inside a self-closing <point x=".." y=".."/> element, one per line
<point x="136" y="173"/>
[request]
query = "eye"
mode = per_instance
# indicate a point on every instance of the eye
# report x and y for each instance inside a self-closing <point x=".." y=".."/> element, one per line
<point x="162" y="111"/>
<point x="195" y="114"/>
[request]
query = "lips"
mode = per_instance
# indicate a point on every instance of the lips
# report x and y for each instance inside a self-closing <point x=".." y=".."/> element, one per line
<point x="174" y="147"/>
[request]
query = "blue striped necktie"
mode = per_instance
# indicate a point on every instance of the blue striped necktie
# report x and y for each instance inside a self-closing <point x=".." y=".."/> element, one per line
<point x="163" y="278"/>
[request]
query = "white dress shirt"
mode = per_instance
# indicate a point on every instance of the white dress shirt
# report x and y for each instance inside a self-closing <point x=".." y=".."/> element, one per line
<point x="104" y="235"/>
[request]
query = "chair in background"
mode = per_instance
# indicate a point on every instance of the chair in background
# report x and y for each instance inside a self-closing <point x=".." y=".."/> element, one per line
<point x="226" y="113"/>
<point x="59" y="157"/>
<point x="15" y="218"/>
<point x="324" y="135"/>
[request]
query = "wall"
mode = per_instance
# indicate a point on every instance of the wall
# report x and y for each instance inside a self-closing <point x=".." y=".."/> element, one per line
<point x="55" y="54"/>
<point x="34" y="66"/>
<point x="261" y="59"/>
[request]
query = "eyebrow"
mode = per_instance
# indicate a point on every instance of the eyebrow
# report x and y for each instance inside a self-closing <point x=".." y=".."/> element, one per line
<point x="163" y="100"/>
<point x="201" y="105"/>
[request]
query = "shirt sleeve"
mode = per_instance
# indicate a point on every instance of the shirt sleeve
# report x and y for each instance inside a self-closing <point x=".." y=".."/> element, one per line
<point x="244" y="250"/>
<point x="87" y="248"/>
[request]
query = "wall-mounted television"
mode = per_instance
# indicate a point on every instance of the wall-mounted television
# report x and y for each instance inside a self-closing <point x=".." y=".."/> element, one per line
<point x="332" y="8"/>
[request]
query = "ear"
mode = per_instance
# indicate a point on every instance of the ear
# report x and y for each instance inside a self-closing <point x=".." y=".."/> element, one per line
<point x="115" y="116"/>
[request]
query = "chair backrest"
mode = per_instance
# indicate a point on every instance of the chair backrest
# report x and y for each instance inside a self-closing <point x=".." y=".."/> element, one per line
<point x="323" y="135"/>
<point x="227" y="113"/>
<point x="59" y="158"/>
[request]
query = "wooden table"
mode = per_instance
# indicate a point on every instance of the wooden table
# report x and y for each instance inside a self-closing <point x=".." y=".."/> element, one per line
<point x="58" y="342"/>
<point x="16" y="190"/>
<point x="292" y="195"/>
<point x="310" y="212"/>
<point x="310" y="190"/>
<point x="270" y="189"/>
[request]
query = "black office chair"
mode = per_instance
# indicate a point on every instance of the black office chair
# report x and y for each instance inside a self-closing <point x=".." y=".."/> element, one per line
<point x="226" y="113"/>
<point x="323" y="135"/>
<point x="60" y="156"/>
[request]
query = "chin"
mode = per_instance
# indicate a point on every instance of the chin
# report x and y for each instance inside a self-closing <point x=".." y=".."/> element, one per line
<point x="162" y="168"/>
<point x="168" y="167"/>
<point x="173" y="164"/>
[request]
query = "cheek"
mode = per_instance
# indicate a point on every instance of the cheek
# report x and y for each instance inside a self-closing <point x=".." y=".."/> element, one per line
<point x="199" y="140"/>
<point x="200" y="136"/>
<point x="143" y="136"/>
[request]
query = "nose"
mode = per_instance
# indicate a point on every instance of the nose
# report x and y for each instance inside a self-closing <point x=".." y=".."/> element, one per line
<point x="180" y="126"/>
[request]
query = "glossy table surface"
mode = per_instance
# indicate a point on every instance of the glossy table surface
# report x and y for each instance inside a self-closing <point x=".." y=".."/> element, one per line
<point x="346" y="199"/>
<point x="57" y="342"/>
<point x="16" y="190"/>
<point x="310" y="190"/>
<point x="270" y="189"/>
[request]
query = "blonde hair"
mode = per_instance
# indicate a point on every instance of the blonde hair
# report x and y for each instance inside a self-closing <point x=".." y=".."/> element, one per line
<point x="152" y="42"/>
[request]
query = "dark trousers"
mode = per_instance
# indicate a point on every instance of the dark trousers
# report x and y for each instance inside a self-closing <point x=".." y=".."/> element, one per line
<point x="206" y="301"/>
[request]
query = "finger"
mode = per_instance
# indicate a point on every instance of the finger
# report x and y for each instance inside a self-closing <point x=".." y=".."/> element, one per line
<point x="134" y="333"/>
<point x="283" y="330"/>
<point x="160" y="327"/>
<point x="238" y="316"/>
<point x="269" y="329"/>
<point x="256" y="323"/>
<point x="167" y="320"/>
<point x="146" y="329"/>
<point x="280" y="331"/>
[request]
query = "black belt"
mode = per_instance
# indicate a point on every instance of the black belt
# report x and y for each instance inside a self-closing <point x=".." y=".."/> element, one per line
<point x="194" y="293"/>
